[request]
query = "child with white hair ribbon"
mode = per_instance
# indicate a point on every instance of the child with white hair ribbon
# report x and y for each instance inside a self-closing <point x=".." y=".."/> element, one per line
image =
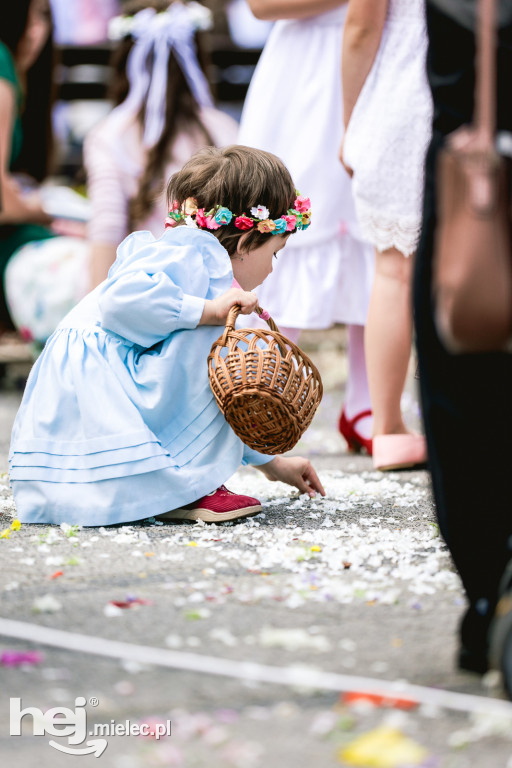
<point x="163" y="113"/>
<point x="118" y="421"/>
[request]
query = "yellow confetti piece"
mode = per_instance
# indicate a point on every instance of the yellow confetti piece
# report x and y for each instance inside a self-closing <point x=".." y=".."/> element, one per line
<point x="6" y="534"/>
<point x="397" y="642"/>
<point x="383" y="748"/>
<point x="15" y="525"/>
<point x="316" y="548"/>
<point x="149" y="554"/>
<point x="191" y="544"/>
<point x="142" y="575"/>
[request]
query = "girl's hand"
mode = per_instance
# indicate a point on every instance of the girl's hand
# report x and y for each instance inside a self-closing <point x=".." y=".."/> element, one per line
<point x="216" y="310"/>
<point x="295" y="471"/>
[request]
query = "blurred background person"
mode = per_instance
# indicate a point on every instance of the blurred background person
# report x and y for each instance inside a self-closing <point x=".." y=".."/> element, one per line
<point x="42" y="273"/>
<point x="25" y="128"/>
<point x="82" y="22"/>
<point x="387" y="113"/>
<point x="466" y="399"/>
<point x="293" y="109"/>
<point x="163" y="112"/>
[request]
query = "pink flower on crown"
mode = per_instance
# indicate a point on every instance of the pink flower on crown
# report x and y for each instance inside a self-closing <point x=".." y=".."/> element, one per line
<point x="201" y="218"/>
<point x="243" y="222"/>
<point x="266" y="226"/>
<point x="170" y="222"/>
<point x="291" y="222"/>
<point x="211" y="223"/>
<point x="175" y="205"/>
<point x="302" y="204"/>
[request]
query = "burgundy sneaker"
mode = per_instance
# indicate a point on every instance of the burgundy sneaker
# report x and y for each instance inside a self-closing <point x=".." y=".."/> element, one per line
<point x="215" y="507"/>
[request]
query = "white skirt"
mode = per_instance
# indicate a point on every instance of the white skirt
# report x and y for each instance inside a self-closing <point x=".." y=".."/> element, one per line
<point x="294" y="109"/>
<point x="389" y="131"/>
<point x="43" y="280"/>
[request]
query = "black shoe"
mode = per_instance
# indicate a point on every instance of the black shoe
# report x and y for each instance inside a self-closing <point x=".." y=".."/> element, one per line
<point x="473" y="632"/>
<point x="471" y="661"/>
<point x="500" y="633"/>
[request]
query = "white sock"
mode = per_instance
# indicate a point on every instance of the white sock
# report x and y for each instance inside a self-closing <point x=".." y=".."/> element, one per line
<point x="291" y="333"/>
<point x="357" y="395"/>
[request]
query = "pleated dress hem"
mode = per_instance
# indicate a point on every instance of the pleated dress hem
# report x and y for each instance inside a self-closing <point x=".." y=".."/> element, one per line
<point x="152" y="494"/>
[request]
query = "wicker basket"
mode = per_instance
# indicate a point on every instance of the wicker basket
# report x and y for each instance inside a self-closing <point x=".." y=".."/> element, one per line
<point x="266" y="387"/>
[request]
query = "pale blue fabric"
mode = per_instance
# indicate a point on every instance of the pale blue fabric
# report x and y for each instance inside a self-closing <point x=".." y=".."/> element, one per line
<point x="118" y="421"/>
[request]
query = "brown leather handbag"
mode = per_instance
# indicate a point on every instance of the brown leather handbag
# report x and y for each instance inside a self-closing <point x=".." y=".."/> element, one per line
<point x="472" y="266"/>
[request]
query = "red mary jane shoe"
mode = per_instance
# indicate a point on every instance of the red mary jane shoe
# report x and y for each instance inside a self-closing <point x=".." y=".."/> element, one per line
<point x="355" y="441"/>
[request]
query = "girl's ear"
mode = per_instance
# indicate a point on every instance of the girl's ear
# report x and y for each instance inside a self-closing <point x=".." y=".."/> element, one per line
<point x="241" y="245"/>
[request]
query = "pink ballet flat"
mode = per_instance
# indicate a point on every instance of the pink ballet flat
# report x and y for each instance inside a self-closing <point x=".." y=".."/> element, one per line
<point x="399" y="451"/>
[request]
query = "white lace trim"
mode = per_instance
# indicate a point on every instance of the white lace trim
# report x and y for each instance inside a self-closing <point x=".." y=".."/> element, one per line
<point x="385" y="232"/>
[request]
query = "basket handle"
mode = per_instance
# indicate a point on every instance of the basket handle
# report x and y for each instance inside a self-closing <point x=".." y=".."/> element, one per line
<point x="235" y="311"/>
<point x="233" y="314"/>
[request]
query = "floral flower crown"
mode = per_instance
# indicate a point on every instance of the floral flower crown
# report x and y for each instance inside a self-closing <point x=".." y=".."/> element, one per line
<point x="296" y="218"/>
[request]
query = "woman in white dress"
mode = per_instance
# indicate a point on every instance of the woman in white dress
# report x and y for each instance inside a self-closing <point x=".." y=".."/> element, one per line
<point x="293" y="109"/>
<point x="387" y="114"/>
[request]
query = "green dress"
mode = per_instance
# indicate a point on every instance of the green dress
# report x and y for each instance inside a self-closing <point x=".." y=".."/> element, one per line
<point x="13" y="236"/>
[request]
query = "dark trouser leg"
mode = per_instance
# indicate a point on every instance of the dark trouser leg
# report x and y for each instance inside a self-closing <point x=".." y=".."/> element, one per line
<point x="467" y="409"/>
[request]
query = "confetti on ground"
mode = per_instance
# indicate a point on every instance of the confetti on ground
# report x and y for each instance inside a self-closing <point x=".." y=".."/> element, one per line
<point x="292" y="639"/>
<point x="383" y="748"/>
<point x="19" y="658"/>
<point x="46" y="604"/>
<point x="352" y="697"/>
<point x="380" y="546"/>
<point x="130" y="602"/>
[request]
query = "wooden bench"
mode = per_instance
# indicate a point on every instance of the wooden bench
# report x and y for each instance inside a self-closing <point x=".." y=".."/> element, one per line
<point x="83" y="71"/>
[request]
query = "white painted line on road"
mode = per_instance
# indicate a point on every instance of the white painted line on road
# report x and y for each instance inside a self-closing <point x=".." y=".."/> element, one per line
<point x="298" y="677"/>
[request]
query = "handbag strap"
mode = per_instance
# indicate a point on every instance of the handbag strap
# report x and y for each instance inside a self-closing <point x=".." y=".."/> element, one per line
<point x="485" y="87"/>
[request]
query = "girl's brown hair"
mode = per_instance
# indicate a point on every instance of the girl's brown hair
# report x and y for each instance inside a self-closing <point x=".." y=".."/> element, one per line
<point x="182" y="111"/>
<point x="238" y="178"/>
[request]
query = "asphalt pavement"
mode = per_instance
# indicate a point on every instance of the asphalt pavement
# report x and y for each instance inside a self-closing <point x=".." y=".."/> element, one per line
<point x="256" y="640"/>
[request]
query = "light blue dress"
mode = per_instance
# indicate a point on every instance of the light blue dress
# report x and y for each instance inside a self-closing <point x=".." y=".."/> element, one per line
<point x="118" y="421"/>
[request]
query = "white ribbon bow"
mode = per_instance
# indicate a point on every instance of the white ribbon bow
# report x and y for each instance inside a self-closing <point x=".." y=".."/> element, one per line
<point x="158" y="34"/>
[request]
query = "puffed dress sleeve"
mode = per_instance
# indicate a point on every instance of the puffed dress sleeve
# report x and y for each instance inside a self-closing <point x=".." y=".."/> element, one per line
<point x="250" y="456"/>
<point x="153" y="289"/>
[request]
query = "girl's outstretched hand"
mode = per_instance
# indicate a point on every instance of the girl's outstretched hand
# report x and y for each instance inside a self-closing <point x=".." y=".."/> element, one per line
<point x="296" y="471"/>
<point x="216" y="310"/>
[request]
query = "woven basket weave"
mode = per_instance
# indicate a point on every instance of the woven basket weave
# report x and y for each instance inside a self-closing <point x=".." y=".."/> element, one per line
<point x="266" y="387"/>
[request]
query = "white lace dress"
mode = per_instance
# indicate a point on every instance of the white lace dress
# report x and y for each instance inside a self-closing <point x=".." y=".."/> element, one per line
<point x="293" y="109"/>
<point x="389" y="131"/>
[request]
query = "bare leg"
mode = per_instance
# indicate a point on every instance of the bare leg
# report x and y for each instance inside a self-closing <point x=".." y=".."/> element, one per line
<point x="388" y="339"/>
